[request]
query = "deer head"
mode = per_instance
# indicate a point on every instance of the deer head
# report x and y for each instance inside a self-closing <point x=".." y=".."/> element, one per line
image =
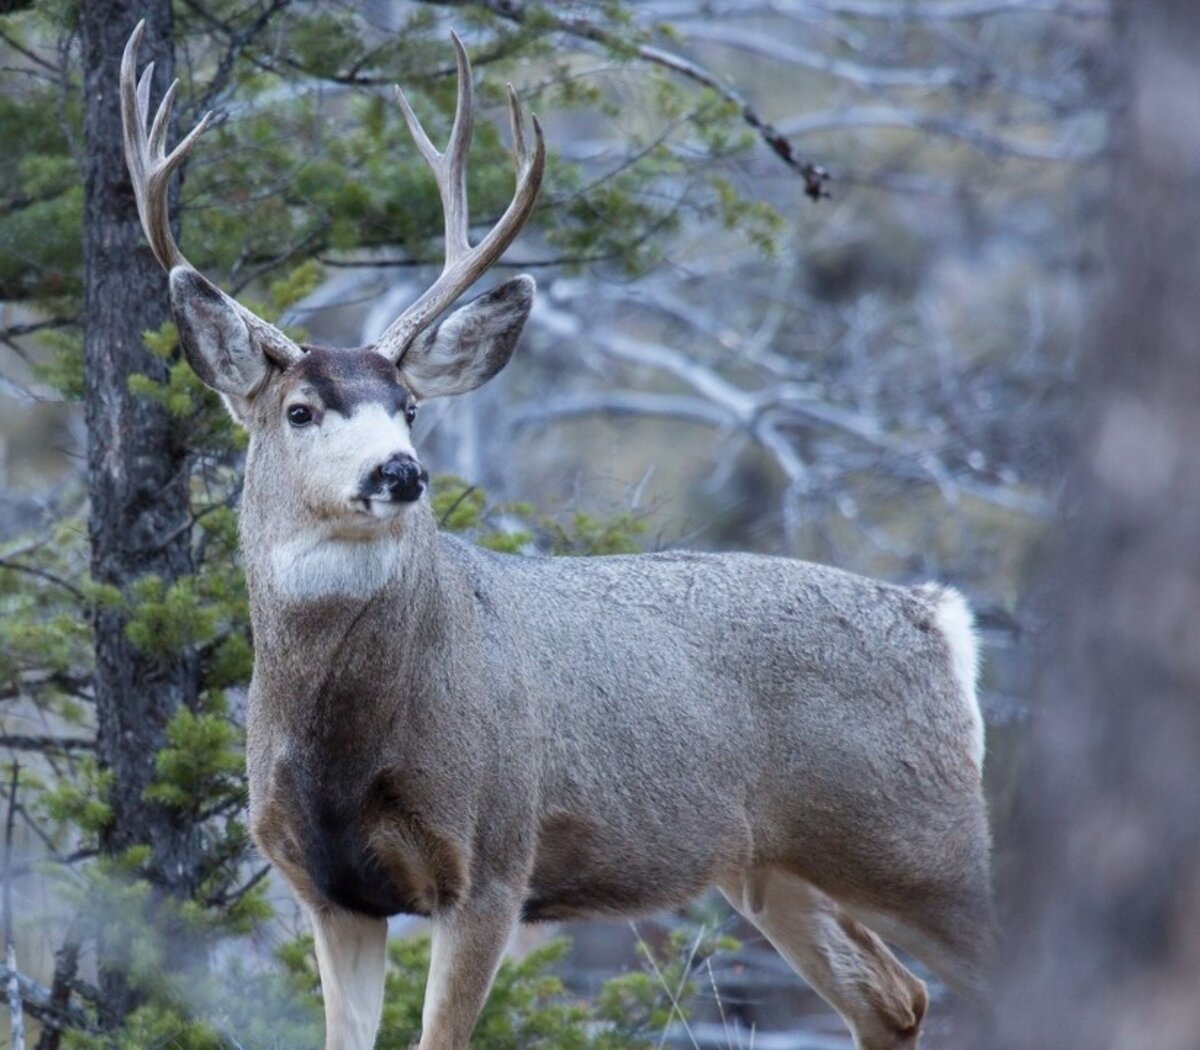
<point x="331" y="428"/>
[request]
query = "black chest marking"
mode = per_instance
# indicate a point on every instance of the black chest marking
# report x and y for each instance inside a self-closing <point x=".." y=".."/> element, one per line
<point x="350" y="875"/>
<point x="367" y="850"/>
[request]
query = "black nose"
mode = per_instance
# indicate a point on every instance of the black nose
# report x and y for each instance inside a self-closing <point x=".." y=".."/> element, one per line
<point x="402" y="478"/>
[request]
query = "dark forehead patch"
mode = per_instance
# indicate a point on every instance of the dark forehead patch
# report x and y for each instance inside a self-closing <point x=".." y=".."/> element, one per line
<point x="346" y="379"/>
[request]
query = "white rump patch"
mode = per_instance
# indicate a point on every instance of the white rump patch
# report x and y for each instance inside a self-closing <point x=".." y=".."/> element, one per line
<point x="324" y="567"/>
<point x="957" y="624"/>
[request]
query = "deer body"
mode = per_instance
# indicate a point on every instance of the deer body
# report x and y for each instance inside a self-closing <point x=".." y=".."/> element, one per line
<point x="485" y="739"/>
<point x="511" y="712"/>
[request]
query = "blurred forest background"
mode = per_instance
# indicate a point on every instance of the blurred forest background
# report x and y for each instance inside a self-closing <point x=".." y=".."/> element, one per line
<point x="815" y="277"/>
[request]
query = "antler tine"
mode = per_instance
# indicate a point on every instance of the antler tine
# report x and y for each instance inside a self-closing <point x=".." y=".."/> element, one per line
<point x="464" y="265"/>
<point x="450" y="168"/>
<point x="150" y="171"/>
<point x="517" y="119"/>
<point x="162" y="119"/>
<point x="455" y="176"/>
<point x="143" y="92"/>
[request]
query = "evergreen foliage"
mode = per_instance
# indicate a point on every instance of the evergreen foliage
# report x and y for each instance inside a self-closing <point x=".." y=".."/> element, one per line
<point x="529" y="1008"/>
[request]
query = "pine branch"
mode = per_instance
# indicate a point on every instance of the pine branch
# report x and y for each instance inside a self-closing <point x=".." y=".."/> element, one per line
<point x="44" y="574"/>
<point x="227" y="900"/>
<point x="238" y="42"/>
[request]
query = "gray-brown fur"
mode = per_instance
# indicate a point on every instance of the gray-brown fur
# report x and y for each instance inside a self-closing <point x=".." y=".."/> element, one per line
<point x="614" y="735"/>
<point x="483" y="738"/>
<point x="629" y="729"/>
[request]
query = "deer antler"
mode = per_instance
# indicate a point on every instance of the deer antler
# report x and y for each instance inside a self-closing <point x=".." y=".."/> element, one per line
<point x="465" y="265"/>
<point x="150" y="171"/>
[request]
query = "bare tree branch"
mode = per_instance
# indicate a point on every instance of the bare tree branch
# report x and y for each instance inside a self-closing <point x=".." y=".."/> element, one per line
<point x="621" y="403"/>
<point x="33" y="57"/>
<point x="16" y="331"/>
<point x="26" y="742"/>
<point x="16" y="1015"/>
<point x="79" y="687"/>
<point x="951" y="10"/>
<point x="815" y="177"/>
<point x="39" y="1003"/>
<point x="916" y="120"/>
<point x="786" y="50"/>
<point x="238" y="42"/>
<point x="66" y="967"/>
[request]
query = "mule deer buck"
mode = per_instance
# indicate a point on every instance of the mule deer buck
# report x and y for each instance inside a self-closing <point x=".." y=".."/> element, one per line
<point x="484" y="739"/>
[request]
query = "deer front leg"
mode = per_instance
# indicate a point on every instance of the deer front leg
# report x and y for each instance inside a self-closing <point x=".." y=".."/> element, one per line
<point x="468" y="942"/>
<point x="351" y="957"/>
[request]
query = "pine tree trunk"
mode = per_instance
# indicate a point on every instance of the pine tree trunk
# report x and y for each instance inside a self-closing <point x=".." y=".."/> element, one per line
<point x="137" y="465"/>
<point x="1105" y="906"/>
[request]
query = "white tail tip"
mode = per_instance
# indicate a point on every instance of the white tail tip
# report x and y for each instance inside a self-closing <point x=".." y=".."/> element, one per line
<point x="957" y="624"/>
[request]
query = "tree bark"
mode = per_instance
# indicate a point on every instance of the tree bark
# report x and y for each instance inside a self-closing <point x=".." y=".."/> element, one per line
<point x="1105" y="905"/>
<point x="137" y="466"/>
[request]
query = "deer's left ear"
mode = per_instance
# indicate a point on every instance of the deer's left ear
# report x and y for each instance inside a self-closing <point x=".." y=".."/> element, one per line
<point x="471" y="345"/>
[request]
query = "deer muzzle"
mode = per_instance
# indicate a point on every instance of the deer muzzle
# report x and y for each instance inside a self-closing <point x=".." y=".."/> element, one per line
<point x="401" y="479"/>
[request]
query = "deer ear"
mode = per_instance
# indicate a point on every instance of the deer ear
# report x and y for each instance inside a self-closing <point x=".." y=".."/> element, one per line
<point x="216" y="340"/>
<point x="471" y="345"/>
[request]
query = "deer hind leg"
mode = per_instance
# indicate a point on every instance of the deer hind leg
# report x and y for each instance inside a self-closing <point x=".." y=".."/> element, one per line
<point x="951" y="933"/>
<point x="468" y="943"/>
<point x="843" y="961"/>
<point x="351" y="956"/>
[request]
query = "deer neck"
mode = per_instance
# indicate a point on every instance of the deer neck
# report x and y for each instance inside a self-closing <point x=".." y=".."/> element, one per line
<point x="309" y="586"/>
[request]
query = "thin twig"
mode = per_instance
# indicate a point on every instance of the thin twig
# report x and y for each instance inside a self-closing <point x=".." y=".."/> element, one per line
<point x="16" y="1013"/>
<point x="27" y="868"/>
<point x="672" y="996"/>
<point x="455" y="505"/>
<point x="966" y="10"/>
<point x="815" y="177"/>
<point x="9" y="825"/>
<point x="32" y="56"/>
<point x="237" y="44"/>
<point x="712" y="980"/>
<point x="38" y="1002"/>
<point x="258" y="272"/>
<point x="66" y="968"/>
<point x="26" y="742"/>
<point x="43" y="574"/>
<point x="14" y="331"/>
<point x="416" y="263"/>
<point x="78" y="687"/>
<point x="225" y="900"/>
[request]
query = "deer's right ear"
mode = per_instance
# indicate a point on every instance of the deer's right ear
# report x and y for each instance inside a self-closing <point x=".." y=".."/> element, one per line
<point x="216" y="340"/>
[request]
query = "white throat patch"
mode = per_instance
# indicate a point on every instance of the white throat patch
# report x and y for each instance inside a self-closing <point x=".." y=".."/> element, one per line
<point x="324" y="567"/>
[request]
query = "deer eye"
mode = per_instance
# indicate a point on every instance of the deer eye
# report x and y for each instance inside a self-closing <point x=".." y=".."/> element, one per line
<point x="410" y="413"/>
<point x="299" y="415"/>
